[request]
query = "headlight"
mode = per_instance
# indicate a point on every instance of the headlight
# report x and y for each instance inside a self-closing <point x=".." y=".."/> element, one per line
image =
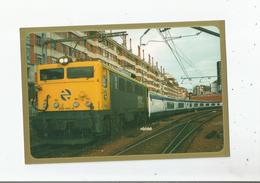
<point x="75" y="104"/>
<point x="56" y="105"/>
<point x="61" y="60"/>
<point x="65" y="60"/>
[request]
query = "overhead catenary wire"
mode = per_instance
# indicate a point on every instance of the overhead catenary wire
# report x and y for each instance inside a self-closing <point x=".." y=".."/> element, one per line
<point x="188" y="61"/>
<point x="181" y="57"/>
<point x="166" y="40"/>
<point x="180" y="53"/>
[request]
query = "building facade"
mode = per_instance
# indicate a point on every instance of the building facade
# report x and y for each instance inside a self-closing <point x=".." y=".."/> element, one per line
<point x="201" y="90"/>
<point x="42" y="48"/>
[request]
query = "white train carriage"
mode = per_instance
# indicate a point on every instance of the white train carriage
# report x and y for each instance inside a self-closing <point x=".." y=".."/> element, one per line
<point x="162" y="106"/>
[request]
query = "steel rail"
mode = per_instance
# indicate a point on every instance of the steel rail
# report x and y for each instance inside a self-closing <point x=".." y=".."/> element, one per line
<point x="200" y="115"/>
<point x="176" y="137"/>
<point x="191" y="132"/>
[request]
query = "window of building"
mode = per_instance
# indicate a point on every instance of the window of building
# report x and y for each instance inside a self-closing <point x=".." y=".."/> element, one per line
<point x="92" y="48"/>
<point x="38" y="58"/>
<point x="54" y="60"/>
<point x="64" y="50"/>
<point x="38" y="40"/>
<point x="53" y="45"/>
<point x="107" y="54"/>
<point x="70" y="51"/>
<point x="28" y="57"/>
<point x="84" y="42"/>
<point x="72" y="35"/>
<point x="85" y="56"/>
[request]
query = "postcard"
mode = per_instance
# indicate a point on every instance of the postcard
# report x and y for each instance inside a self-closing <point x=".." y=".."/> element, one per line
<point x="124" y="92"/>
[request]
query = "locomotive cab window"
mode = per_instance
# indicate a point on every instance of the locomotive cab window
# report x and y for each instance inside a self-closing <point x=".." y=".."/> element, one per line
<point x="80" y="72"/>
<point x="51" y="74"/>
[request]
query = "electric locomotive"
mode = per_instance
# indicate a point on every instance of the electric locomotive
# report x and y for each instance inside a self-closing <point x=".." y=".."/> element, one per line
<point x="78" y="101"/>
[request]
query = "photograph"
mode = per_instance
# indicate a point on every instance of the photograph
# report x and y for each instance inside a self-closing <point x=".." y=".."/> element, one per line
<point x="124" y="92"/>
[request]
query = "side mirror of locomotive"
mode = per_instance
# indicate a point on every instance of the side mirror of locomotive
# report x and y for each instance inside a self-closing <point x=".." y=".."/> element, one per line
<point x="37" y="88"/>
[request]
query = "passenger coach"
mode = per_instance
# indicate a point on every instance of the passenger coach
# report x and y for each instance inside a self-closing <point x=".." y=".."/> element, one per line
<point x="162" y="106"/>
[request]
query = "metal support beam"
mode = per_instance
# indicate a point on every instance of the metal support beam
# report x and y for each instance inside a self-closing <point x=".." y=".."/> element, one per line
<point x="141" y="37"/>
<point x="207" y="31"/>
<point x="199" y="77"/>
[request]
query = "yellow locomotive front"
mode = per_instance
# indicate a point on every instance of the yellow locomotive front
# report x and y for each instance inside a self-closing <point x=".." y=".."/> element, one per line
<point x="76" y="86"/>
<point x="71" y="98"/>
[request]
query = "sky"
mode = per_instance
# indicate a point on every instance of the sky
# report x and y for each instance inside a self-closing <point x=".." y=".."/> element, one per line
<point x="200" y="52"/>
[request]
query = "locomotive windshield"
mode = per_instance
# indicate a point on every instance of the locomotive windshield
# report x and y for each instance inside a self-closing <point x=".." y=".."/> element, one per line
<point x="80" y="72"/>
<point x="51" y="74"/>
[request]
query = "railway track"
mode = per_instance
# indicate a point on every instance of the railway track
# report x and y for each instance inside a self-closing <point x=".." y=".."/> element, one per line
<point x="50" y="151"/>
<point x="178" y="132"/>
<point x="188" y="129"/>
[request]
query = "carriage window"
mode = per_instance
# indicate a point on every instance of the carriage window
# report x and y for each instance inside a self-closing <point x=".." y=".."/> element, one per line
<point x="80" y="72"/>
<point x="51" y="74"/>
<point x="180" y="105"/>
<point x="170" y="105"/>
<point x="207" y="104"/>
<point x="196" y="105"/>
<point x="201" y="104"/>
